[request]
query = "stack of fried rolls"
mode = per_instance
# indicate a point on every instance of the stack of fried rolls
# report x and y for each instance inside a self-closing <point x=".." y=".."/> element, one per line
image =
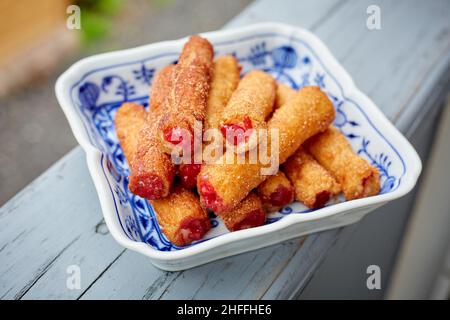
<point x="332" y="150"/>
<point x="314" y="160"/>
<point x="179" y="214"/>
<point x="223" y="185"/>
<point x="313" y="184"/>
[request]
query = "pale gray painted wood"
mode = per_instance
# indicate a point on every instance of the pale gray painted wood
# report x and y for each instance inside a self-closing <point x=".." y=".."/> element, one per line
<point x="242" y="276"/>
<point x="293" y="278"/>
<point x="52" y="223"/>
<point x="55" y="222"/>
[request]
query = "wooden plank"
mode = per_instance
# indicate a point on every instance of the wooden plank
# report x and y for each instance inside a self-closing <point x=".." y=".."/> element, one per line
<point x="307" y="14"/>
<point x="430" y="215"/>
<point x="242" y="276"/>
<point x="53" y="223"/>
<point x="293" y="277"/>
<point x="57" y="215"/>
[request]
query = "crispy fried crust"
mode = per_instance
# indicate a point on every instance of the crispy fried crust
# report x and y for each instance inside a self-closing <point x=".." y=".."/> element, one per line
<point x="309" y="112"/>
<point x="249" y="106"/>
<point x="225" y="79"/>
<point x="160" y="88"/>
<point x="248" y="214"/>
<point x="284" y="93"/>
<point x="332" y="150"/>
<point x="276" y="192"/>
<point x="188" y="96"/>
<point x="130" y="119"/>
<point x="313" y="184"/>
<point x="152" y="171"/>
<point x="222" y="186"/>
<point x="181" y="217"/>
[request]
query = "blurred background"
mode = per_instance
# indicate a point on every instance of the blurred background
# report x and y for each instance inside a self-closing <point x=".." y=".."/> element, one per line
<point x="33" y="129"/>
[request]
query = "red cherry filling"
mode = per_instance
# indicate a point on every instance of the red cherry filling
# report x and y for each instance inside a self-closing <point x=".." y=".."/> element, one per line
<point x="281" y="196"/>
<point x="179" y="136"/>
<point x="188" y="174"/>
<point x="253" y="219"/>
<point x="321" y="198"/>
<point x="148" y="186"/>
<point x="193" y="229"/>
<point x="210" y="198"/>
<point x="237" y="133"/>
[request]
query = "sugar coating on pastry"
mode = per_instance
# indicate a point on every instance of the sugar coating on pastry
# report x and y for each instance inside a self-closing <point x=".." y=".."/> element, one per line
<point x="247" y="214"/>
<point x="181" y="217"/>
<point x="313" y="184"/>
<point x="358" y="178"/>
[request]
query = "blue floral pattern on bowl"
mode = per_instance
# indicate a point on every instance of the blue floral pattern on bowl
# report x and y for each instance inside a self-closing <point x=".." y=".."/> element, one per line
<point x="100" y="92"/>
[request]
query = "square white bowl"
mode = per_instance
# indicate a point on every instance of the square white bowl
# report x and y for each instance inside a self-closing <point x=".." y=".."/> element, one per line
<point x="91" y="90"/>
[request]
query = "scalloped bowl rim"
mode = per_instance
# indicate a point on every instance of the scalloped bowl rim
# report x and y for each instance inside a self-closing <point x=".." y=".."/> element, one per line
<point x="93" y="154"/>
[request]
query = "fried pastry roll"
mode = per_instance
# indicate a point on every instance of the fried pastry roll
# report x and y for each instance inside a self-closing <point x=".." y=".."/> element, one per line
<point x="223" y="185"/>
<point x="188" y="95"/>
<point x="332" y="150"/>
<point x="284" y="93"/>
<point x="160" y="88"/>
<point x="224" y="80"/>
<point x="313" y="184"/>
<point x="152" y="170"/>
<point x="248" y="214"/>
<point x="129" y="120"/>
<point x="246" y="112"/>
<point x="276" y="192"/>
<point x="181" y="217"/>
<point x="225" y="77"/>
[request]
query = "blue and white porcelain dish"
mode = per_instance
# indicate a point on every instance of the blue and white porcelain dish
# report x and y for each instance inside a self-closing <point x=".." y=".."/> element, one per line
<point x="92" y="89"/>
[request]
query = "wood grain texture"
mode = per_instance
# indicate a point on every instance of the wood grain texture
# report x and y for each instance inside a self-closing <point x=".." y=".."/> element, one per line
<point x="56" y="221"/>
<point x="53" y="223"/>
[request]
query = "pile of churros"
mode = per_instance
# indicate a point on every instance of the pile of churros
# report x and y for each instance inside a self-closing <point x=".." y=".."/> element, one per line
<point x="242" y="148"/>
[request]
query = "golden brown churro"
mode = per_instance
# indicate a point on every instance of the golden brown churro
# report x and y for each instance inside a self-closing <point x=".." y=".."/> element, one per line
<point x="313" y="184"/>
<point x="181" y="217"/>
<point x="248" y="214"/>
<point x="332" y="150"/>
<point x="225" y="79"/>
<point x="247" y="110"/>
<point x="188" y="95"/>
<point x="160" y="88"/>
<point x="130" y="119"/>
<point x="284" y="93"/>
<point x="152" y="171"/>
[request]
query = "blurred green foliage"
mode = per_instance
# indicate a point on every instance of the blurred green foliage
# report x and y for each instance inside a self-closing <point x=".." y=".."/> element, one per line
<point x="162" y="3"/>
<point x="96" y="18"/>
